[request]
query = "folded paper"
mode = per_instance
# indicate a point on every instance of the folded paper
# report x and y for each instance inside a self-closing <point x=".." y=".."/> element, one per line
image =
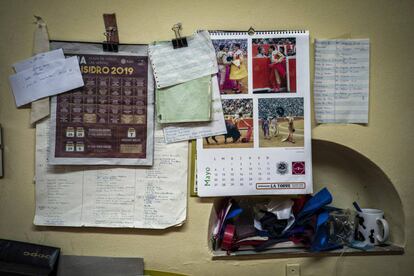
<point x="39" y="59"/>
<point x="187" y="102"/>
<point x="46" y="80"/>
<point x="188" y="131"/>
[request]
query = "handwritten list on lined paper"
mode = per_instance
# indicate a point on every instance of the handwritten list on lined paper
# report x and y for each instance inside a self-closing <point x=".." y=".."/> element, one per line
<point x="341" y="85"/>
<point x="126" y="197"/>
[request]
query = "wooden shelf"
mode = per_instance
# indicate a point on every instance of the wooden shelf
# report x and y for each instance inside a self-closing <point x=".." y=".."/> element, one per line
<point x="300" y="253"/>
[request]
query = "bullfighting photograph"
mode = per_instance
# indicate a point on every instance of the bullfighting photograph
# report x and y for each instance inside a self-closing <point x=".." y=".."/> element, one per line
<point x="274" y="65"/>
<point x="232" y="59"/>
<point x="238" y="114"/>
<point x="281" y="122"/>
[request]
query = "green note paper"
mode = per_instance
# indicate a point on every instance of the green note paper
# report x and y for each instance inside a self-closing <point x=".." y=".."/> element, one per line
<point x="186" y="102"/>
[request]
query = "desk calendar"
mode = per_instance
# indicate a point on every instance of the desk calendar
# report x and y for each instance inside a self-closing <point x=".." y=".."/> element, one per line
<point x="264" y="86"/>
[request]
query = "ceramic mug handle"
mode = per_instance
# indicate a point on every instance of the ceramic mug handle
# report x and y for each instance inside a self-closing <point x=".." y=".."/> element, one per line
<point x="386" y="228"/>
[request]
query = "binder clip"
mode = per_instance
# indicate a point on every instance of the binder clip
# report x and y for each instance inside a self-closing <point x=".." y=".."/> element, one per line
<point x="178" y="42"/>
<point x="251" y="31"/>
<point x="111" y="33"/>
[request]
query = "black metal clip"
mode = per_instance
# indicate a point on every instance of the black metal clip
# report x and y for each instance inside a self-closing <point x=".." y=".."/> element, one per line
<point x="111" y="33"/>
<point x="178" y="42"/>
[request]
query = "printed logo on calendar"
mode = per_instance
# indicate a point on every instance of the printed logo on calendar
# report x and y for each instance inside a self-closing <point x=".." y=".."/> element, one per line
<point x="282" y="167"/>
<point x="131" y="133"/>
<point x="298" y="167"/>
<point x="280" y="186"/>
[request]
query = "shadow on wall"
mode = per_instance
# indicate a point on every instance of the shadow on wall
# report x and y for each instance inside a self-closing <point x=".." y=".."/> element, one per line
<point x="350" y="177"/>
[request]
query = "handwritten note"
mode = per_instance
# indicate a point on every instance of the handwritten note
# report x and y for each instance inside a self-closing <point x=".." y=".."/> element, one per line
<point x="188" y="131"/>
<point x="46" y="79"/>
<point x="341" y="86"/>
<point x="39" y="59"/>
<point x="95" y="196"/>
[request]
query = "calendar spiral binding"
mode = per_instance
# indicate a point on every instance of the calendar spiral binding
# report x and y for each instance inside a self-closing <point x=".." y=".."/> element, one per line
<point x="277" y="32"/>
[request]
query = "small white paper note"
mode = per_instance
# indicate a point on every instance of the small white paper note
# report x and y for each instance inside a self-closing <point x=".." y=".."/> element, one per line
<point x="341" y="86"/>
<point x="188" y="131"/>
<point x="39" y="59"/>
<point x="46" y="80"/>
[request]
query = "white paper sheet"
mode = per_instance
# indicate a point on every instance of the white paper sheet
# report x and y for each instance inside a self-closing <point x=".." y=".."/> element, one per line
<point x="46" y="80"/>
<point x="153" y="197"/>
<point x="341" y="86"/>
<point x="38" y="60"/>
<point x="173" y="66"/>
<point x="188" y="131"/>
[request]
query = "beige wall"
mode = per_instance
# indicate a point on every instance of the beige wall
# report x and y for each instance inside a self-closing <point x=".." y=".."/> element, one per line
<point x="386" y="140"/>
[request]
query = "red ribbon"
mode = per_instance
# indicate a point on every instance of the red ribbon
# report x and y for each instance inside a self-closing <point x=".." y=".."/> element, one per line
<point x="228" y="237"/>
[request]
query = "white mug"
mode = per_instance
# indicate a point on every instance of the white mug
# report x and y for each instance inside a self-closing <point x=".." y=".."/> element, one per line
<point x="369" y="230"/>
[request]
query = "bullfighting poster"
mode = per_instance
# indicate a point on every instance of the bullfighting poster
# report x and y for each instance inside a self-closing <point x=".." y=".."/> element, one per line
<point x="265" y="90"/>
<point x="109" y="121"/>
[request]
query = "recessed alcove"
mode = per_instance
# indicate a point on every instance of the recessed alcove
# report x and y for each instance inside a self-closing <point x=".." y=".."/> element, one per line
<point x="349" y="176"/>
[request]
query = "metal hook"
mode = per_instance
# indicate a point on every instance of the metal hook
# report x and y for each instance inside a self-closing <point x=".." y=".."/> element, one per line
<point x="251" y="31"/>
<point x="38" y="20"/>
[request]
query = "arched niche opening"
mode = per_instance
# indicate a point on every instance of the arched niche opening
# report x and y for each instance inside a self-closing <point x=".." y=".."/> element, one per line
<point x="350" y="176"/>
